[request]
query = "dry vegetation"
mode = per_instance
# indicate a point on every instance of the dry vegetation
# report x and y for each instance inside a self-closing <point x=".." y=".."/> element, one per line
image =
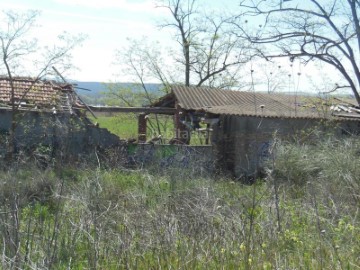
<point x="303" y="216"/>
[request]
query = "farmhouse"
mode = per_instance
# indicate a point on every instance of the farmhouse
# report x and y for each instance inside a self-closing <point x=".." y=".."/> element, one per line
<point x="47" y="113"/>
<point x="242" y="125"/>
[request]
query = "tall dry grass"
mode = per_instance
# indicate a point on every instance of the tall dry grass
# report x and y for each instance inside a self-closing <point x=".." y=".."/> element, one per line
<point x="303" y="216"/>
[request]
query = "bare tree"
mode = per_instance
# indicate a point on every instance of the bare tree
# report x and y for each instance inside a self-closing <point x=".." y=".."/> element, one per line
<point x="328" y="31"/>
<point x="211" y="53"/>
<point x="142" y="62"/>
<point x="17" y="48"/>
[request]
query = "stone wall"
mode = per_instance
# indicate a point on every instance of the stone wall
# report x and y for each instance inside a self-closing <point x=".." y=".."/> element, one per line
<point x="242" y="143"/>
<point x="63" y="133"/>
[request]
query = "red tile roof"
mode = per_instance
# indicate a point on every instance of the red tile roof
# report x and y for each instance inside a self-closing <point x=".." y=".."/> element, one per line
<point x="40" y="93"/>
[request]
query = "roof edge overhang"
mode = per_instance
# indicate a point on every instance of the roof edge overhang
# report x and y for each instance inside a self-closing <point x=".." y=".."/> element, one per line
<point x="333" y="117"/>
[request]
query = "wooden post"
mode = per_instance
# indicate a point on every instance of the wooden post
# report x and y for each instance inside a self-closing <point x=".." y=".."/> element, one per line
<point x="142" y="125"/>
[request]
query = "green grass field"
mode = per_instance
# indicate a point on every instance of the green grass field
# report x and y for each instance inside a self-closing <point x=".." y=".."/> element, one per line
<point x="124" y="125"/>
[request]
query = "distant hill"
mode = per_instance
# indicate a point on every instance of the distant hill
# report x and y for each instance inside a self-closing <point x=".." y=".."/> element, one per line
<point x="95" y="92"/>
<point x="95" y="88"/>
<point x="98" y="88"/>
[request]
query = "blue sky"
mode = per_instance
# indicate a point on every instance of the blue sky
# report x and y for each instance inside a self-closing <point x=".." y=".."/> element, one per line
<point x="107" y="23"/>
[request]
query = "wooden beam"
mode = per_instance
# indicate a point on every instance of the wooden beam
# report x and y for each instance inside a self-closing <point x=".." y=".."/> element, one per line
<point x="156" y="110"/>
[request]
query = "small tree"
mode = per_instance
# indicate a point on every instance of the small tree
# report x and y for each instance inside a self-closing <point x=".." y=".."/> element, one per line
<point x="17" y="48"/>
<point x="328" y="31"/>
<point x="142" y="62"/>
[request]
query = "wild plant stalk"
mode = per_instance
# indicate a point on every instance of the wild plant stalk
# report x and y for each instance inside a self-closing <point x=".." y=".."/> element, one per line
<point x="318" y="224"/>
<point x="53" y="241"/>
<point x="273" y="180"/>
<point x="250" y="232"/>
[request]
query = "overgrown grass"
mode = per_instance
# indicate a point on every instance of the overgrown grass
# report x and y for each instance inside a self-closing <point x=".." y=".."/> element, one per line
<point x="305" y="218"/>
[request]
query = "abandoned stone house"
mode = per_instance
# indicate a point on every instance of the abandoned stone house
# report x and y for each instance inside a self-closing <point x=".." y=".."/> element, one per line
<point x="48" y="113"/>
<point x="242" y="124"/>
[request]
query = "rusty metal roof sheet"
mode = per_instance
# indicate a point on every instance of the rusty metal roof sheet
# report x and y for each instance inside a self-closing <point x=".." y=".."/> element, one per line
<point x="218" y="101"/>
<point x="36" y="92"/>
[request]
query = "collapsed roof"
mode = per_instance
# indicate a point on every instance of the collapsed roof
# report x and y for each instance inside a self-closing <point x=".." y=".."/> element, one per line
<point x="241" y="103"/>
<point x="32" y="94"/>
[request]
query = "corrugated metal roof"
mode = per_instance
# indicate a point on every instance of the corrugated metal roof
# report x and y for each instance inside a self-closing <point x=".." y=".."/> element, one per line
<point x="40" y="93"/>
<point x="218" y="101"/>
<point x="192" y="98"/>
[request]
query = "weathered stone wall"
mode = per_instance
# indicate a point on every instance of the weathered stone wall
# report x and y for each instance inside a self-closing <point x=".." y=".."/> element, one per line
<point x="61" y="132"/>
<point x="242" y="143"/>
